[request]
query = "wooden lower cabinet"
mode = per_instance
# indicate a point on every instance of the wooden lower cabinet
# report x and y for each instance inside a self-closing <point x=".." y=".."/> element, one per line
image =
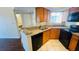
<point x="54" y="33"/>
<point x="51" y="34"/>
<point x="73" y="43"/>
<point x="46" y="36"/>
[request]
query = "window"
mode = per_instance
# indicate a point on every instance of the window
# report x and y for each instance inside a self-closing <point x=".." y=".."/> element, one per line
<point x="56" y="18"/>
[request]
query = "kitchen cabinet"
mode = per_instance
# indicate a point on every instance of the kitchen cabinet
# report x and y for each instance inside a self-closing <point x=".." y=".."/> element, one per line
<point x="77" y="47"/>
<point x="73" y="43"/>
<point x="54" y="33"/>
<point x="46" y="36"/>
<point x="41" y="14"/>
<point x="51" y="34"/>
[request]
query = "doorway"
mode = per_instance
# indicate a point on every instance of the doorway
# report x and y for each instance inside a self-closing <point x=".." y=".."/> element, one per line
<point x="19" y="21"/>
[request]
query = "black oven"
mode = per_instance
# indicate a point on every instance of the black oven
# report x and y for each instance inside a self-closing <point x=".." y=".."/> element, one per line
<point x="65" y="37"/>
<point x="74" y="28"/>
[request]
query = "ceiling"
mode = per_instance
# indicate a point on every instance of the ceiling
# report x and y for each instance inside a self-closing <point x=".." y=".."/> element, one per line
<point x="31" y="9"/>
<point x="24" y="9"/>
<point x="57" y="9"/>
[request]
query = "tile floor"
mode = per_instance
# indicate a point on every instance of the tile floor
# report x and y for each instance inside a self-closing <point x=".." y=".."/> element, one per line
<point x="53" y="45"/>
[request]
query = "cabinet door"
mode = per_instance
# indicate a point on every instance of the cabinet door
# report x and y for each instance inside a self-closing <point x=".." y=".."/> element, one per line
<point x="45" y="36"/>
<point x="73" y="43"/>
<point x="77" y="47"/>
<point x="54" y="33"/>
<point x="40" y="13"/>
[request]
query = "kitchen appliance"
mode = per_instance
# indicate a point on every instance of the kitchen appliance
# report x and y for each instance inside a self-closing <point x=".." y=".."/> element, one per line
<point x="74" y="28"/>
<point x="73" y="17"/>
<point x="65" y="37"/>
<point x="37" y="41"/>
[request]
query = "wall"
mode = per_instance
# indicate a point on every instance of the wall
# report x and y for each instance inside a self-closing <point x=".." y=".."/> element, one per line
<point x="49" y="17"/>
<point x="73" y="9"/>
<point x="8" y="27"/>
<point x="27" y="20"/>
<point x="19" y="19"/>
<point x="28" y="15"/>
<point x="34" y="17"/>
<point x="65" y="17"/>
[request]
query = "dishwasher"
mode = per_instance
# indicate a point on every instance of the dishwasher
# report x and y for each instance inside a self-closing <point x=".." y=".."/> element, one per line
<point x="37" y="41"/>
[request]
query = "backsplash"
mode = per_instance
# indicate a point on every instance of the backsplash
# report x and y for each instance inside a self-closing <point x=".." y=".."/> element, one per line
<point x="41" y="23"/>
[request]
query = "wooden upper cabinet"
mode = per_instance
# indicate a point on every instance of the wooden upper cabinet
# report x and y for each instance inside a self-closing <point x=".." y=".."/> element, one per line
<point x="42" y="14"/>
<point x="73" y="43"/>
<point x="39" y="13"/>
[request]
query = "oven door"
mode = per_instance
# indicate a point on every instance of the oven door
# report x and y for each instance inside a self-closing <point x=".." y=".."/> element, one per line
<point x="74" y="28"/>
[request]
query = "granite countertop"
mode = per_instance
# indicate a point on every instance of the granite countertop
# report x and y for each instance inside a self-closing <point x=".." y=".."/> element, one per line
<point x="76" y="34"/>
<point x="37" y="30"/>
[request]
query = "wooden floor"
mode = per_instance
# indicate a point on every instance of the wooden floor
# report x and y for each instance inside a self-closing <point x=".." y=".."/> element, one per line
<point x="9" y="44"/>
